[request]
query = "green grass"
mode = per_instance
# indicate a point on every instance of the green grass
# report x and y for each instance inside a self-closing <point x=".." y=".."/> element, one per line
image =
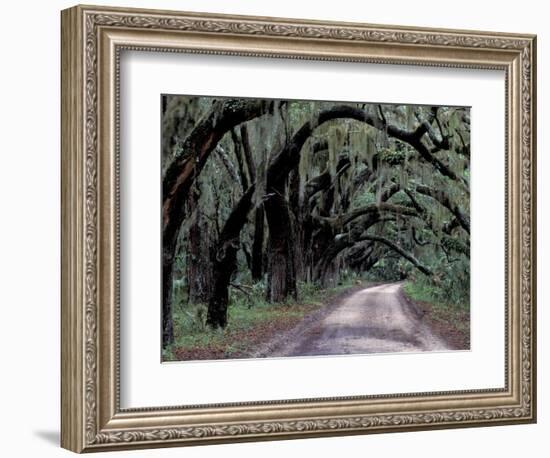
<point x="451" y="319"/>
<point x="251" y="322"/>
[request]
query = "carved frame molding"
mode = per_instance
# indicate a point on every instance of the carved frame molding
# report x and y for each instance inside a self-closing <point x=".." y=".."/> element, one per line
<point x="92" y="39"/>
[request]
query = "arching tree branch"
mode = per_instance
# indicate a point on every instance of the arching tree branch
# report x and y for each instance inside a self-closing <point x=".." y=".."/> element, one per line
<point x="289" y="157"/>
<point x="371" y="210"/>
<point x="325" y="180"/>
<point x="444" y="200"/>
<point x="409" y="257"/>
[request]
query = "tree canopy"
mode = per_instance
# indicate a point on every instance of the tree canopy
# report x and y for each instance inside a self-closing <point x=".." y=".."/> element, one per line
<point x="284" y="192"/>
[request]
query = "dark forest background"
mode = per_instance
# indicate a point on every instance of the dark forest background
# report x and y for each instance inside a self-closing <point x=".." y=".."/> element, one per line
<point x="267" y="201"/>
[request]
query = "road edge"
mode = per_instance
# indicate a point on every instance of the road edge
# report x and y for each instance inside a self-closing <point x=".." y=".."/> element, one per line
<point x="425" y="316"/>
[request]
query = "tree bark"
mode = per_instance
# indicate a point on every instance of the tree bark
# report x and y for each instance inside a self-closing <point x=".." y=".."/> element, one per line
<point x="225" y="262"/>
<point x="281" y="274"/>
<point x="339" y="222"/>
<point x="331" y="247"/>
<point x="360" y="254"/>
<point x="325" y="180"/>
<point x="258" y="245"/>
<point x="237" y="143"/>
<point x="168" y="254"/>
<point x="409" y="257"/>
<point x="198" y="254"/>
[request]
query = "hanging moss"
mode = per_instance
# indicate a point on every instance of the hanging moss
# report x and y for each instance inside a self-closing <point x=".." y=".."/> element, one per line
<point x="393" y="157"/>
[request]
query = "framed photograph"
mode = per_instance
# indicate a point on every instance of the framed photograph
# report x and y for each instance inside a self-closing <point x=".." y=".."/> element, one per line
<point x="278" y="228"/>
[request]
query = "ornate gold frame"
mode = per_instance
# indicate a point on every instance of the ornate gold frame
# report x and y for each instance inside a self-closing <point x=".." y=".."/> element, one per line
<point x="92" y="38"/>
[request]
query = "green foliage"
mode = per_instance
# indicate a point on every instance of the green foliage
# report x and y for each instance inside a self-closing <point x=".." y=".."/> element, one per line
<point x="389" y="270"/>
<point x="443" y="309"/>
<point x="393" y="157"/>
<point x="450" y="284"/>
<point x="249" y="317"/>
<point x="349" y="278"/>
<point x="179" y="293"/>
<point x="246" y="296"/>
<point x="191" y="317"/>
<point x="451" y="244"/>
<point x="308" y="292"/>
<point x="364" y="198"/>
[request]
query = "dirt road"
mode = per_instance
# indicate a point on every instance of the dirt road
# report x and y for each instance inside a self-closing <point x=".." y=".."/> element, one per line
<point x="373" y="320"/>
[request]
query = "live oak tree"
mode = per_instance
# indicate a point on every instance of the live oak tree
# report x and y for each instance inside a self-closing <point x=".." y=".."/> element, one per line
<point x="180" y="175"/>
<point x="282" y="193"/>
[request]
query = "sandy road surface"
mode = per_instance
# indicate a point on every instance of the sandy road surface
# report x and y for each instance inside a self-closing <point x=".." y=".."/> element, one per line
<point x="373" y="320"/>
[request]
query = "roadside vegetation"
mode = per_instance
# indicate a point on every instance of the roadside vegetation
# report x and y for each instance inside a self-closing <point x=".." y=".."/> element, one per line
<point x="252" y="321"/>
<point x="446" y="310"/>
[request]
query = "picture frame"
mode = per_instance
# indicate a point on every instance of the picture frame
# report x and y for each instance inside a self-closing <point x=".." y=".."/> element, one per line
<point x="93" y="39"/>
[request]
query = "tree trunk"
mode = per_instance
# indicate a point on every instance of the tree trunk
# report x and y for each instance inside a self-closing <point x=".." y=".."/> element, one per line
<point x="281" y="274"/>
<point x="168" y="252"/>
<point x="258" y="245"/>
<point x="323" y="266"/>
<point x="296" y="213"/>
<point x="180" y="176"/>
<point x="225" y="262"/>
<point x="199" y="268"/>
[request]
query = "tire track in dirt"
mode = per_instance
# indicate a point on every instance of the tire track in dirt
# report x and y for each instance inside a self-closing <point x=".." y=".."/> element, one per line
<point x="372" y="320"/>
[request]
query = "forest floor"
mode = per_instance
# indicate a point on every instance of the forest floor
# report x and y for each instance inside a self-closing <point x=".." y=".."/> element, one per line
<point x="360" y="319"/>
<point x="377" y="319"/>
<point x="251" y="329"/>
<point x="452" y="322"/>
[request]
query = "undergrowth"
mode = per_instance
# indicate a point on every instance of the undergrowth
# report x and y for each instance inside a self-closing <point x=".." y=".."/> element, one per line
<point x="251" y="321"/>
<point x="449" y="313"/>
